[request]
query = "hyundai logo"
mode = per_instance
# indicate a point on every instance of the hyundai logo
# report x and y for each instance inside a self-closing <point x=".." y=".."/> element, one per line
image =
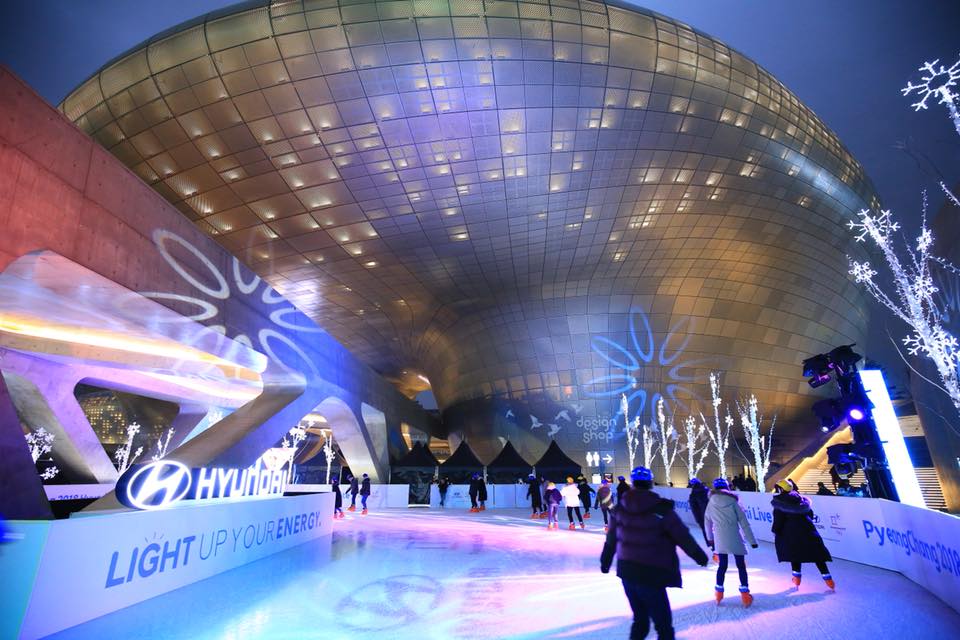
<point x="155" y="485"/>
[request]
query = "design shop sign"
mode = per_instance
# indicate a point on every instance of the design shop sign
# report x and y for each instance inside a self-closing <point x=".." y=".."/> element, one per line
<point x="162" y="483"/>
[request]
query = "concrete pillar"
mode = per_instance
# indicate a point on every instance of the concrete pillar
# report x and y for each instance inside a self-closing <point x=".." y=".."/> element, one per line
<point x="21" y="490"/>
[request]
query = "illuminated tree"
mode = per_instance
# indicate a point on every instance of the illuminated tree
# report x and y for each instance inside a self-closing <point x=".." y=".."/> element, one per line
<point x="696" y="443"/>
<point x="163" y="443"/>
<point x="292" y="441"/>
<point x="719" y="431"/>
<point x="122" y="455"/>
<point x="913" y="300"/>
<point x="760" y="445"/>
<point x="667" y="439"/>
<point x="41" y="443"/>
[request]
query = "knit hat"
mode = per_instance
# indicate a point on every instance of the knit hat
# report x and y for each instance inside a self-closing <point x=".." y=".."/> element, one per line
<point x="641" y="474"/>
<point x="721" y="483"/>
<point x="784" y="486"/>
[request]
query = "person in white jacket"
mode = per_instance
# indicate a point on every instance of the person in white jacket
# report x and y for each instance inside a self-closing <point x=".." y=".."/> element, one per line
<point x="571" y="500"/>
<point x="723" y="522"/>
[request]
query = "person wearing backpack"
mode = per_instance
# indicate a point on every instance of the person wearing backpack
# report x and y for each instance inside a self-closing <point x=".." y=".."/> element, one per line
<point x="644" y="535"/>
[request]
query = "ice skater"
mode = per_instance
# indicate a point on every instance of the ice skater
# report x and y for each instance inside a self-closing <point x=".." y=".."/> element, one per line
<point x="353" y="491"/>
<point x="482" y="493"/>
<point x="698" y="503"/>
<point x="364" y="493"/>
<point x="622" y="488"/>
<point x="338" y="498"/>
<point x="552" y="498"/>
<point x="533" y="493"/>
<point x="585" y="491"/>
<point x="605" y="502"/>
<point x="724" y="519"/>
<point x="474" y="493"/>
<point x="571" y="500"/>
<point x="443" y="484"/>
<point x="795" y="536"/>
<point x="644" y="535"/>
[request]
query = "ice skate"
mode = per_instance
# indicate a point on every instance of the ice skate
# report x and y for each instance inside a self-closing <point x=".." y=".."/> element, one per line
<point x="474" y="510"/>
<point x="572" y="526"/>
<point x="534" y="517"/>
<point x="352" y="508"/>
<point x="483" y="507"/>
<point x="828" y="580"/>
<point x="718" y="593"/>
<point x="606" y="529"/>
<point x="364" y="512"/>
<point x="586" y="515"/>
<point x="746" y="597"/>
<point x="795" y="579"/>
<point x="583" y="526"/>
<point x="716" y="558"/>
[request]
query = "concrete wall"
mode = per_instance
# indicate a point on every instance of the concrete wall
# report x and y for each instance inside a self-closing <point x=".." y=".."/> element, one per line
<point x="62" y="195"/>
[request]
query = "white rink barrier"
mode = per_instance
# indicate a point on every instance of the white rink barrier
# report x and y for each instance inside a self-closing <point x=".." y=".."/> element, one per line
<point x="499" y="496"/>
<point x="77" y="491"/>
<point x="921" y="544"/>
<point x="61" y="573"/>
<point x="382" y="496"/>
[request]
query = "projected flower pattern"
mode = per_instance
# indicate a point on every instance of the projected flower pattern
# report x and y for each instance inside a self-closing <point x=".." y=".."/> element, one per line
<point x="221" y="288"/>
<point x="640" y="357"/>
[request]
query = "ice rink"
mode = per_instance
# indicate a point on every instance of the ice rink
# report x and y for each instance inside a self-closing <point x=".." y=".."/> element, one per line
<point x="419" y="574"/>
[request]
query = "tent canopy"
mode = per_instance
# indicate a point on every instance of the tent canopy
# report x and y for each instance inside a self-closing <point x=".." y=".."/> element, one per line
<point x="555" y="465"/>
<point x="418" y="456"/>
<point x="461" y="465"/>
<point x="508" y="466"/>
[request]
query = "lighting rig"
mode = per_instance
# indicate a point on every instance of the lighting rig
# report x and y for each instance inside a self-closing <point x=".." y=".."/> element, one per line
<point x="853" y="406"/>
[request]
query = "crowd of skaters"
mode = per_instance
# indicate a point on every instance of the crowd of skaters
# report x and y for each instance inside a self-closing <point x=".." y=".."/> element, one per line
<point x="643" y="532"/>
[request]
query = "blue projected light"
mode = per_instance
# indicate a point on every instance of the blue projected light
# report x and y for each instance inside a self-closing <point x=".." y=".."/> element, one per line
<point x="855" y="413"/>
<point x="888" y="428"/>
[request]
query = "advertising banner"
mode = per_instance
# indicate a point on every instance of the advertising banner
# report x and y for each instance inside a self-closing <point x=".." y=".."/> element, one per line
<point x="77" y="491"/>
<point x="919" y="543"/>
<point x="97" y="564"/>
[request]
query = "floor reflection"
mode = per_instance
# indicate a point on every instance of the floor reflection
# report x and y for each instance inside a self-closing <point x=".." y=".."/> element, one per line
<point x="433" y="575"/>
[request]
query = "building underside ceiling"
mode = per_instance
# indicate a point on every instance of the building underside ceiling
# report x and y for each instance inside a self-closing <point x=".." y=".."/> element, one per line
<point x="546" y="202"/>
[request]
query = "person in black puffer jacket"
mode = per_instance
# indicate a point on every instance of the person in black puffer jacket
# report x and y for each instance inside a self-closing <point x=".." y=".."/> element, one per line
<point x="698" y="503"/>
<point x="622" y="488"/>
<point x="644" y="534"/>
<point x="795" y="535"/>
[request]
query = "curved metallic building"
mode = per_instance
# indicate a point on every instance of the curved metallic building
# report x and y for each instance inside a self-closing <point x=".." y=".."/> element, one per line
<point x="530" y="207"/>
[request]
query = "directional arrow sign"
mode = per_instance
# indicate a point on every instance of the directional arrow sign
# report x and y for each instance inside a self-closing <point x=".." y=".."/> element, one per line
<point x="608" y="458"/>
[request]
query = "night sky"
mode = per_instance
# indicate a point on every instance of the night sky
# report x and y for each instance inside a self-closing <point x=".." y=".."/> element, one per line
<point x="846" y="60"/>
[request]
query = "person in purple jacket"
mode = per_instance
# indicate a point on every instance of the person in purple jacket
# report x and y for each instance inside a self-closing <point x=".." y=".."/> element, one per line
<point x="552" y="498"/>
<point x="644" y="535"/>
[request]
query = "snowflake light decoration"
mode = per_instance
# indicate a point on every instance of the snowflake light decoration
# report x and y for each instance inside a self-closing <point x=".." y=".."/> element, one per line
<point x="914" y="297"/>
<point x="938" y="81"/>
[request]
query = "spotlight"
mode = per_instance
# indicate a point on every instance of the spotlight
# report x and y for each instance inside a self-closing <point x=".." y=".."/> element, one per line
<point x="855" y="413"/>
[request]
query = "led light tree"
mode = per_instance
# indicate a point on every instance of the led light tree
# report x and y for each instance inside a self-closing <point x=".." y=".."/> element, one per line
<point x="123" y="453"/>
<point x="719" y="431"/>
<point x="760" y="445"/>
<point x="667" y="439"/>
<point x="292" y="441"/>
<point x="631" y="428"/>
<point x="41" y="443"/>
<point x="913" y="299"/>
<point x="937" y="82"/>
<point x="696" y="444"/>
<point x="328" y="451"/>
<point x="649" y="438"/>
<point x="913" y="268"/>
<point x="163" y="443"/>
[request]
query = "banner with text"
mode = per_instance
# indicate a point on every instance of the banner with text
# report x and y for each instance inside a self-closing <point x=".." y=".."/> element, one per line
<point x="94" y="565"/>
